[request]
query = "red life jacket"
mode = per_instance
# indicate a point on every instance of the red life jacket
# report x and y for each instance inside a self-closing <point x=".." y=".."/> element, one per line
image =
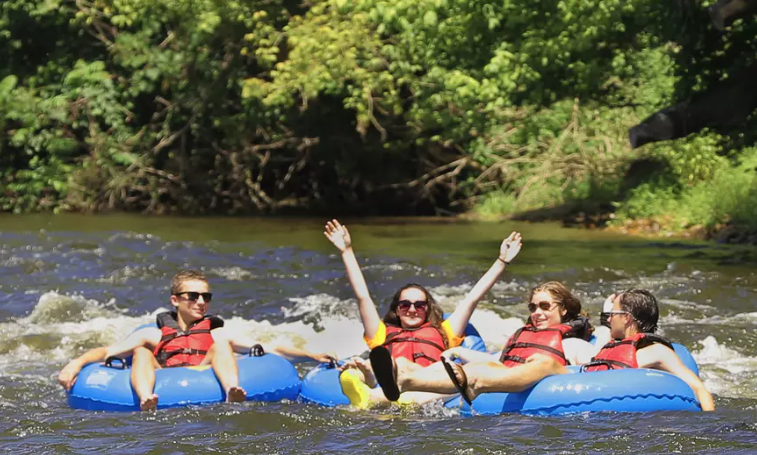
<point x="617" y="355"/>
<point x="529" y="340"/>
<point x="180" y="348"/>
<point x="422" y="345"/>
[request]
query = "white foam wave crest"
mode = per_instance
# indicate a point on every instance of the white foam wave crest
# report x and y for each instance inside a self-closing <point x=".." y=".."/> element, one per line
<point x="686" y="305"/>
<point x="714" y="353"/>
<point x="724" y="371"/>
<point x="61" y="327"/>
<point x="232" y="273"/>
<point x="343" y="331"/>
<point x="709" y="320"/>
<point x="323" y="306"/>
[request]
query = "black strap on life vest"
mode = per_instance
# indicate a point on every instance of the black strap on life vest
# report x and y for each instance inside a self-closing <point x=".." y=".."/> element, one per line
<point x="169" y="319"/>
<point x="652" y="338"/>
<point x="505" y="356"/>
<point x="397" y="337"/>
<point x="647" y="340"/>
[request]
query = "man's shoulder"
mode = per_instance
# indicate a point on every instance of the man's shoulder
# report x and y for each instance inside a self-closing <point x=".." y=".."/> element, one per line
<point x="654" y="355"/>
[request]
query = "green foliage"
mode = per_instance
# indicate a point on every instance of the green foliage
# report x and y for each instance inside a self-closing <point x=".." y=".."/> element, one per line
<point x="196" y="106"/>
<point x="693" y="159"/>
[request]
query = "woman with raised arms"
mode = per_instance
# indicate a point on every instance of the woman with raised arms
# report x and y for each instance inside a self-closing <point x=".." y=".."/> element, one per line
<point x="414" y="327"/>
<point x="555" y="335"/>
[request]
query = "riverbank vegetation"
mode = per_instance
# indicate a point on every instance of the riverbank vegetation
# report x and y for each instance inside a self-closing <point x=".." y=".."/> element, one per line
<point x="513" y="108"/>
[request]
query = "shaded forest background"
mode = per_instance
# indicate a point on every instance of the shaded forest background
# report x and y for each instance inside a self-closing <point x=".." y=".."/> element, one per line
<point x="403" y="107"/>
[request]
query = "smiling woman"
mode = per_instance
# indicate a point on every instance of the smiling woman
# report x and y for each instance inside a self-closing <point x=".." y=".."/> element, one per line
<point x="414" y="327"/>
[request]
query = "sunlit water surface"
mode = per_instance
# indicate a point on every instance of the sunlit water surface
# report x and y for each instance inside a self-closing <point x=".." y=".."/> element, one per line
<point x="70" y="283"/>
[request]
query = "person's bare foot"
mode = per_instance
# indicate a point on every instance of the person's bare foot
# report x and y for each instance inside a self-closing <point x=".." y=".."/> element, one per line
<point x="149" y="404"/>
<point x="365" y="367"/>
<point x="235" y="395"/>
<point x="403" y="367"/>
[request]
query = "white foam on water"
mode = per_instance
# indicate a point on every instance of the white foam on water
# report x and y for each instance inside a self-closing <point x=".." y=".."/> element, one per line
<point x="685" y="304"/>
<point x="710" y="320"/>
<point x="726" y="372"/>
<point x="323" y="306"/>
<point x="343" y="331"/>
<point x="232" y="273"/>
<point x="714" y="353"/>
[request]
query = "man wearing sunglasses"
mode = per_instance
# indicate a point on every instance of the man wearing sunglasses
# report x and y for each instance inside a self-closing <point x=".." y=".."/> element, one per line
<point x="633" y="323"/>
<point x="186" y="336"/>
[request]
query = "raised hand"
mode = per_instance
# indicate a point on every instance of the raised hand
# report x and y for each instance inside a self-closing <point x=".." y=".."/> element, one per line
<point x="510" y="247"/>
<point x="338" y="235"/>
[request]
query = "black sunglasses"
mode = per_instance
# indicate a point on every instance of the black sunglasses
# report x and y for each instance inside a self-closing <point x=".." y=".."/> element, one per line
<point x="545" y="306"/>
<point x="195" y="296"/>
<point x="405" y="305"/>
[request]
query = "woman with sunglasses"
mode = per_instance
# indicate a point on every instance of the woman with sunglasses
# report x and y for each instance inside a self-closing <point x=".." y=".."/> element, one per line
<point x="414" y="327"/>
<point x="555" y="335"/>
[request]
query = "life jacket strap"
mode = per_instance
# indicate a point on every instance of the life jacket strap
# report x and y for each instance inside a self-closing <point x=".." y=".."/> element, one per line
<point x="163" y="357"/>
<point x="420" y="355"/>
<point x="607" y="363"/>
<point x="513" y="358"/>
<point x="397" y="339"/>
<point x="542" y="347"/>
<point x="182" y="333"/>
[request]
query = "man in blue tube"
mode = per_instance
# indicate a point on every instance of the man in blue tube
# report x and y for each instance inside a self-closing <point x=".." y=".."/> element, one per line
<point x="186" y="337"/>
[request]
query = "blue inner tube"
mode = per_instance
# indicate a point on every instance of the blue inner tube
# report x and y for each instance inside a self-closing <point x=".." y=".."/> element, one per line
<point x="321" y="384"/>
<point x="103" y="388"/>
<point x="629" y="390"/>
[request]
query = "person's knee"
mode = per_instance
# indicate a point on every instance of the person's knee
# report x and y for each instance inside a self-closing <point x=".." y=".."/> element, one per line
<point x="220" y="346"/>
<point x="142" y="353"/>
<point x="545" y="362"/>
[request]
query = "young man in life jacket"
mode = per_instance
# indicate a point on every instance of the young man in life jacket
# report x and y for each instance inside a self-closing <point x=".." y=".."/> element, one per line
<point x="414" y="327"/>
<point x="187" y="336"/>
<point x="633" y="322"/>
<point x="554" y="336"/>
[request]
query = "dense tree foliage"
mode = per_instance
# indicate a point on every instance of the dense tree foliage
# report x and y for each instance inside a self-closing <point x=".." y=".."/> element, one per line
<point x="366" y="106"/>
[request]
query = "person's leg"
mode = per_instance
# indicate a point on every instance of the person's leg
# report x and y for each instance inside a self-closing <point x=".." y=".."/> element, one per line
<point x="143" y="366"/>
<point x="481" y="377"/>
<point x="221" y="357"/>
<point x="495" y="377"/>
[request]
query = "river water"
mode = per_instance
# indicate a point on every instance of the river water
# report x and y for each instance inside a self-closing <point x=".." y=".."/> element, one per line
<point x="69" y="283"/>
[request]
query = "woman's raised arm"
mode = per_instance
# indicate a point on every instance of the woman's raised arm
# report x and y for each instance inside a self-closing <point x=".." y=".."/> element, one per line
<point x="340" y="237"/>
<point x="509" y="248"/>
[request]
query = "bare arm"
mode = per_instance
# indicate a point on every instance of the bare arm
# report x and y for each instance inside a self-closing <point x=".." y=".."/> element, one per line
<point x="663" y="358"/>
<point x="299" y="355"/>
<point x="242" y="344"/>
<point x="148" y="337"/>
<point x="510" y="248"/>
<point x="578" y="351"/>
<point x="340" y="237"/>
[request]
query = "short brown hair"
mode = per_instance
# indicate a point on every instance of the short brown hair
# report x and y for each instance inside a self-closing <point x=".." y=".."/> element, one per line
<point x="185" y="275"/>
